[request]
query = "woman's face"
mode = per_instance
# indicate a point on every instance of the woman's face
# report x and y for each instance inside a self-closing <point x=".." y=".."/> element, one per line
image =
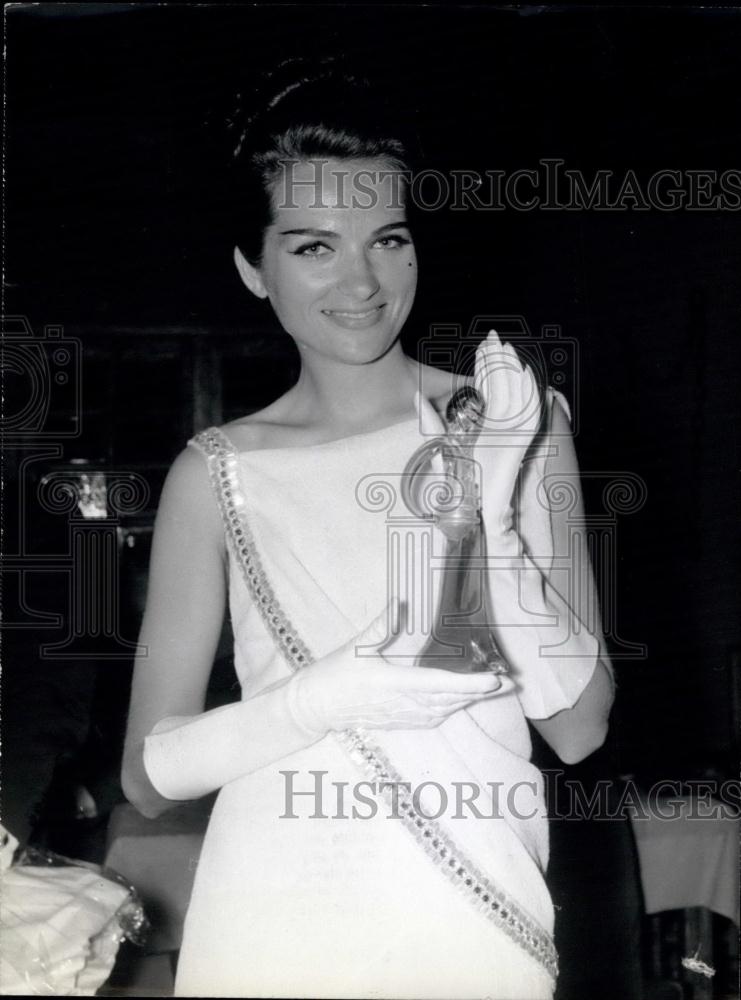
<point x="338" y="265"/>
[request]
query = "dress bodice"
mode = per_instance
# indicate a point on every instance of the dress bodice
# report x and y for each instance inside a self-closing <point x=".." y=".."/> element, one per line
<point x="321" y="534"/>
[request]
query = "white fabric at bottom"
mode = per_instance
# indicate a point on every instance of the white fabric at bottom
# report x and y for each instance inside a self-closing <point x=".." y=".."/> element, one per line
<point x="333" y="907"/>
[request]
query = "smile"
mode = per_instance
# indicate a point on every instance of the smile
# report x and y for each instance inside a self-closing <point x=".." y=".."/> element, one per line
<point x="350" y="319"/>
<point x="349" y="314"/>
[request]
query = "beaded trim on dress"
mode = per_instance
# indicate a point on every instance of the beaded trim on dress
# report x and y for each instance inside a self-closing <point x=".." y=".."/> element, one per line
<point x="497" y="905"/>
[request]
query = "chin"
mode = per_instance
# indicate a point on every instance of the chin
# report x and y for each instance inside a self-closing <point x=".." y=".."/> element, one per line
<point x="355" y="350"/>
<point x="366" y="355"/>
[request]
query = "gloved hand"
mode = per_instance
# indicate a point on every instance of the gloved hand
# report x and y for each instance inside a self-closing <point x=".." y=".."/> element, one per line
<point x="343" y="690"/>
<point x="509" y="424"/>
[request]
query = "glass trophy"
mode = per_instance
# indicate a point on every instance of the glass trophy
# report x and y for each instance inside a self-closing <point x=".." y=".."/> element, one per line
<point x="461" y="640"/>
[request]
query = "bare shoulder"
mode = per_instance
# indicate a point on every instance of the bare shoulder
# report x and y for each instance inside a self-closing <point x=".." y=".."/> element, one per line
<point x="189" y="472"/>
<point x="272" y="427"/>
<point x="187" y="501"/>
<point x="248" y="433"/>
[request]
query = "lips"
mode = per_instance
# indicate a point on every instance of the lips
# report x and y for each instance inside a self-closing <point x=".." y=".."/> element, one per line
<point x="354" y="318"/>
<point x="352" y="313"/>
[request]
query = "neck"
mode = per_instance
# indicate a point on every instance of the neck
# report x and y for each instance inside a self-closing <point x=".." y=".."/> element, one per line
<point x="355" y="396"/>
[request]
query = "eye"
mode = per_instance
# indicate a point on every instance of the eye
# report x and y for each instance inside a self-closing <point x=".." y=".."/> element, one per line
<point x="392" y="242"/>
<point x="316" y="249"/>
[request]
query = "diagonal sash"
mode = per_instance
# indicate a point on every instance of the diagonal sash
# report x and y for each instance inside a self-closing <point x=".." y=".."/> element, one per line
<point x="498" y="906"/>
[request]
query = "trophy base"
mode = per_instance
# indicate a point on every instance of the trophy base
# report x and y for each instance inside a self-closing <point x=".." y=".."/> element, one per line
<point x="475" y="656"/>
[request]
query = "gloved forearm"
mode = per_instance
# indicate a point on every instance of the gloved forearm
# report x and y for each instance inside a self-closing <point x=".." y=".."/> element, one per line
<point x="186" y="758"/>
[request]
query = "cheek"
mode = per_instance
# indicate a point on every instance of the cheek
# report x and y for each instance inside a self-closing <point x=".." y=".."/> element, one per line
<point x="402" y="276"/>
<point x="291" y="289"/>
<point x="409" y="278"/>
<point x="409" y="270"/>
<point x="404" y="291"/>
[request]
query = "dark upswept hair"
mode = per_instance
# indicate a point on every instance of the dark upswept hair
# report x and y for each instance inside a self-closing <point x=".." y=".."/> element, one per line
<point x="318" y="111"/>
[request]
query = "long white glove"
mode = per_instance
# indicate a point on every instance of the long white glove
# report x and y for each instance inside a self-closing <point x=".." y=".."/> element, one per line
<point x="186" y="758"/>
<point x="552" y="654"/>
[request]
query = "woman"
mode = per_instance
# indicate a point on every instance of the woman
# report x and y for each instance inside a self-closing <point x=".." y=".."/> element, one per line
<point x="332" y="866"/>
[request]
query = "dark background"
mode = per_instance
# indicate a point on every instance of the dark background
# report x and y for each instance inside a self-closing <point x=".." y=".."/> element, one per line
<point x="115" y="229"/>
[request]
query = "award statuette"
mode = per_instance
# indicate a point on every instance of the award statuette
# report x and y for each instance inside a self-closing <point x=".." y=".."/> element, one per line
<point x="461" y="640"/>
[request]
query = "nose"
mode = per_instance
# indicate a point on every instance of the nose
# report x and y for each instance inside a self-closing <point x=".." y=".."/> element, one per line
<point x="358" y="280"/>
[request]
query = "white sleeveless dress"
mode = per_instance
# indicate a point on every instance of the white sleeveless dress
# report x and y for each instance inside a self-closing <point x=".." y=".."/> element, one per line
<point x="354" y="890"/>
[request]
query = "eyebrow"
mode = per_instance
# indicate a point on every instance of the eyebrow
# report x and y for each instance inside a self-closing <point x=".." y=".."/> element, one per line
<point x="328" y="233"/>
